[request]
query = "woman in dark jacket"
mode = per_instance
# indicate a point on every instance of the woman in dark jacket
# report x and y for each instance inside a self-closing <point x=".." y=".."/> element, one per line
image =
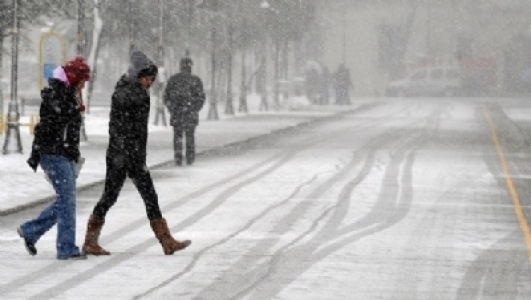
<point x="56" y="149"/>
<point x="126" y="155"/>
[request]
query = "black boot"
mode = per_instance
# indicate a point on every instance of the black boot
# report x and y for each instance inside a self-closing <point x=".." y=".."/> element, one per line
<point x="30" y="247"/>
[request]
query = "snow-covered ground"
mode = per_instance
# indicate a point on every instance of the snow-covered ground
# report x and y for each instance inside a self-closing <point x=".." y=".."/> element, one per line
<point x="22" y="187"/>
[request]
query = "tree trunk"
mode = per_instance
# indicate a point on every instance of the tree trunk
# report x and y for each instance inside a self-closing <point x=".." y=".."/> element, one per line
<point x="229" y="108"/>
<point x="277" y="74"/>
<point x="243" y="88"/>
<point x="1" y="77"/>
<point x="93" y="54"/>
<point x="285" y="69"/>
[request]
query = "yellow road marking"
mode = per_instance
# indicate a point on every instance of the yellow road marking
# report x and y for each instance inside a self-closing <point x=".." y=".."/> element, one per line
<point x="524" y="225"/>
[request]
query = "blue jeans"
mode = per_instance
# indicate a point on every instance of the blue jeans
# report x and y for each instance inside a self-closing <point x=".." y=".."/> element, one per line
<point x="62" y="211"/>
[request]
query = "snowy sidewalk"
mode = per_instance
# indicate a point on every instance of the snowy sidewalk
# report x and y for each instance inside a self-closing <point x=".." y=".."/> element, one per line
<point x="22" y="188"/>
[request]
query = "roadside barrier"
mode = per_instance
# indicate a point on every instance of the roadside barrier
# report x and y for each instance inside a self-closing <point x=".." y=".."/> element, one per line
<point x="33" y="120"/>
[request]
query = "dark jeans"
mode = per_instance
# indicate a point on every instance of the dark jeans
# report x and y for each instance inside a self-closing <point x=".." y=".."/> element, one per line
<point x="189" y="133"/>
<point x="118" y="168"/>
<point x="62" y="211"/>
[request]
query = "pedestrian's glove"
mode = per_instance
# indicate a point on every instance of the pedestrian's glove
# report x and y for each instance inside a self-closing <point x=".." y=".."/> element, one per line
<point x="79" y="164"/>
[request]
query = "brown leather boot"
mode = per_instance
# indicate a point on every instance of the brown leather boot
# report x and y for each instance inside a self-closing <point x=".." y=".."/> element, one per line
<point x="91" y="245"/>
<point x="169" y="244"/>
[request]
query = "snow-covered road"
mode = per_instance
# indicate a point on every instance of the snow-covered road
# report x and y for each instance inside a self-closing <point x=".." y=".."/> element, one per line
<point x="405" y="199"/>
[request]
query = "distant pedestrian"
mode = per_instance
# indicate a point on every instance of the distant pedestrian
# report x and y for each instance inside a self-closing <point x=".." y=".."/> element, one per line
<point x="325" y="86"/>
<point x="338" y="91"/>
<point x="56" y="149"/>
<point x="312" y="79"/>
<point x="184" y="97"/>
<point x="342" y="85"/>
<point x="126" y="155"/>
<point x="347" y="85"/>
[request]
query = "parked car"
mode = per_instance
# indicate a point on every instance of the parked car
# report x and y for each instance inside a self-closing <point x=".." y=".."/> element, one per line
<point x="431" y="81"/>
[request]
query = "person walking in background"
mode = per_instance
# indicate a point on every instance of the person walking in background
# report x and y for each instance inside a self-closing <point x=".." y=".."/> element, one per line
<point x="325" y="86"/>
<point x="337" y="83"/>
<point x="347" y="85"/>
<point x="184" y="97"/>
<point x="126" y="156"/>
<point x="56" y="149"/>
<point x="342" y="85"/>
<point x="312" y="78"/>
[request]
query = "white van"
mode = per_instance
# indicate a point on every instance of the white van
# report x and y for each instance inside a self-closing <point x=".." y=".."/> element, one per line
<point x="430" y="81"/>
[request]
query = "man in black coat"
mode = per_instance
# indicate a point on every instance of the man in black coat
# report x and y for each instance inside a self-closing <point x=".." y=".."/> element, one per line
<point x="126" y="155"/>
<point x="184" y="97"/>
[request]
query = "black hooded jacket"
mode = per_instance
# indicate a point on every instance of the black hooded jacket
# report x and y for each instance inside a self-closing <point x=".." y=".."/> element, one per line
<point x="60" y="120"/>
<point x="129" y="116"/>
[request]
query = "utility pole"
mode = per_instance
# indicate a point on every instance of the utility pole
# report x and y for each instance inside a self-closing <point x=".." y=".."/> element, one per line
<point x="13" y="117"/>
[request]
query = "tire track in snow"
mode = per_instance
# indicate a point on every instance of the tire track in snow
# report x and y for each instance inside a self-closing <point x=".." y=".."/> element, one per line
<point x="115" y="260"/>
<point x="308" y="252"/>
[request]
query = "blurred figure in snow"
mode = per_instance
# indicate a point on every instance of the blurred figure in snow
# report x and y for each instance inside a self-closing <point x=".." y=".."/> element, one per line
<point x="325" y="86"/>
<point x="184" y="97"/>
<point x="342" y="85"/>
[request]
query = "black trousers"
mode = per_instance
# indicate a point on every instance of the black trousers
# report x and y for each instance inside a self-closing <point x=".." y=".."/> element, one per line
<point x="118" y="168"/>
<point x="189" y="132"/>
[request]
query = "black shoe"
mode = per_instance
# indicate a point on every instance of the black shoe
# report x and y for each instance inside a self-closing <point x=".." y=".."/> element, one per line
<point x="178" y="162"/>
<point x="80" y="256"/>
<point x="30" y="247"/>
<point x="190" y="161"/>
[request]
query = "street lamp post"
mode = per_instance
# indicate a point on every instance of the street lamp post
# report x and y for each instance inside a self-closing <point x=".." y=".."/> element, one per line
<point x="13" y="117"/>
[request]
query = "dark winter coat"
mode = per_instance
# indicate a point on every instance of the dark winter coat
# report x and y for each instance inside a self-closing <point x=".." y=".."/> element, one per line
<point x="184" y="97"/>
<point x="57" y="132"/>
<point x="128" y="120"/>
